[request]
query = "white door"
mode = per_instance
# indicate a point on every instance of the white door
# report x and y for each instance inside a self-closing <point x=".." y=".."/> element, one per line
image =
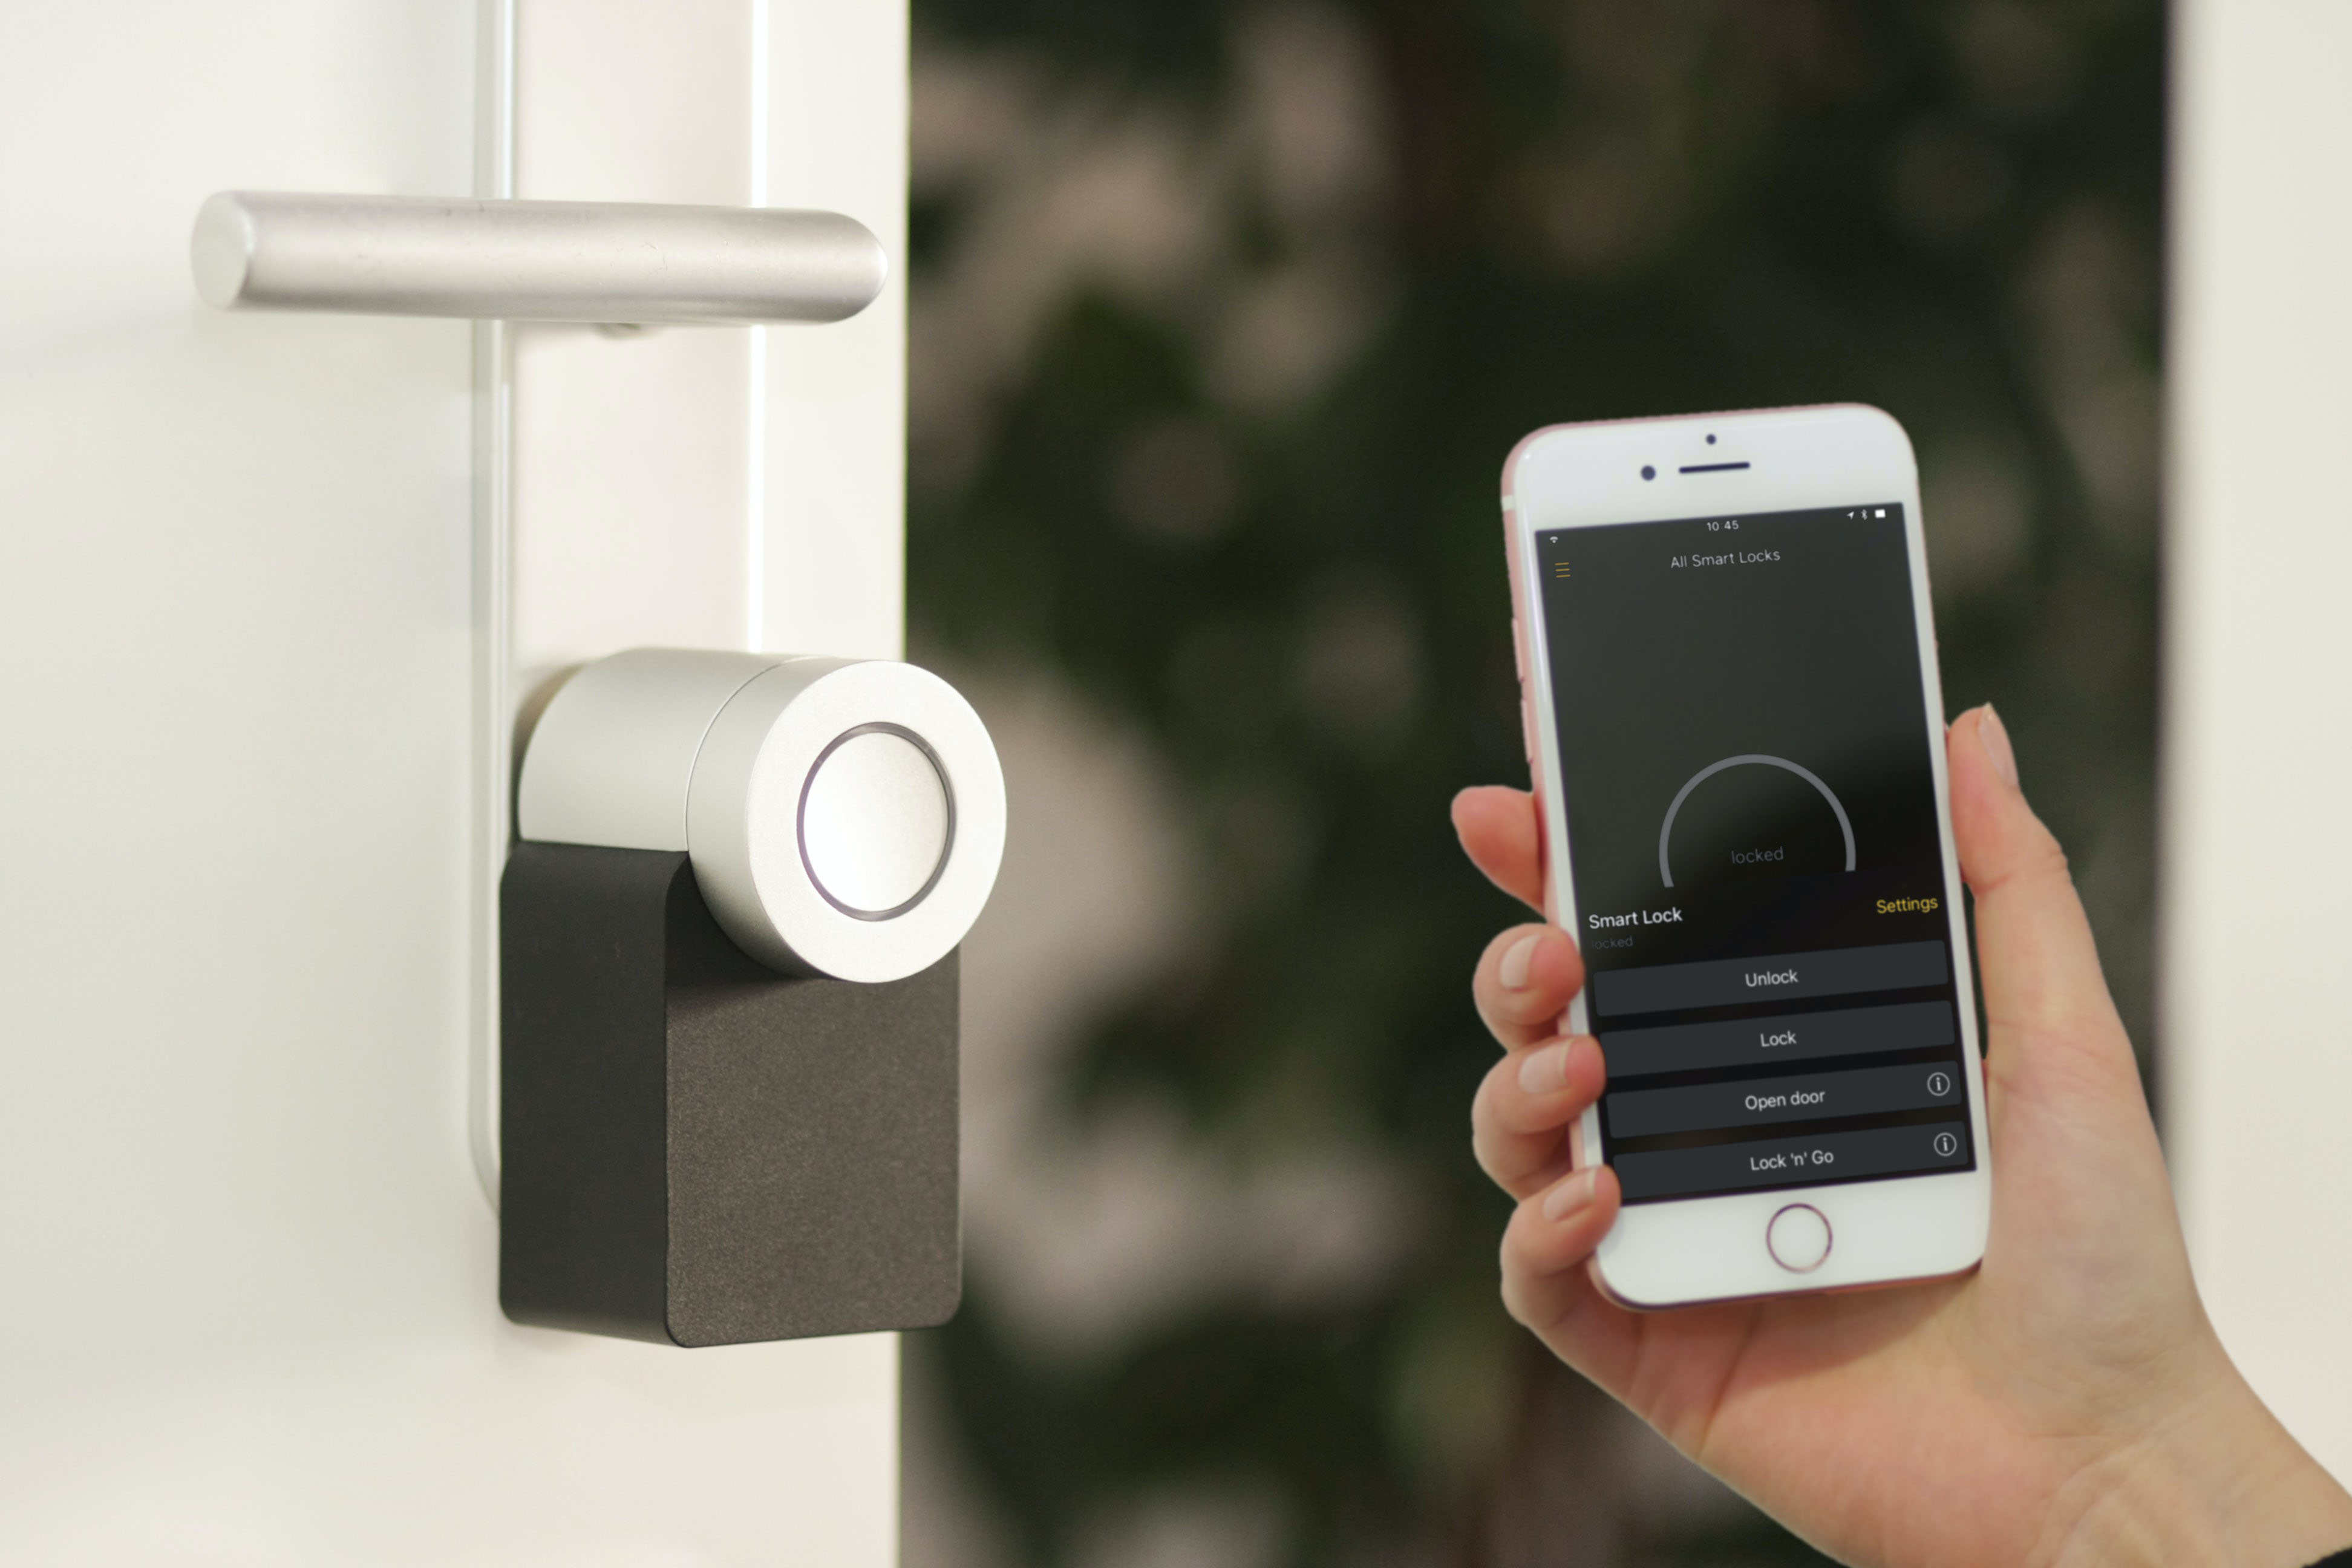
<point x="2258" y="843"/>
<point x="248" y="1275"/>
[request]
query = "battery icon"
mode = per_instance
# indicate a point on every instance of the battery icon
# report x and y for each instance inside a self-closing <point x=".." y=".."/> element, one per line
<point x="1880" y="513"/>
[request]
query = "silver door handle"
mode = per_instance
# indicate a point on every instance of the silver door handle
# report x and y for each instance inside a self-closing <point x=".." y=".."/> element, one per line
<point x="532" y="261"/>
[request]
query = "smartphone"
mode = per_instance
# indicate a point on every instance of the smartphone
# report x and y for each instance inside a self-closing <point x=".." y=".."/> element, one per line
<point x="1736" y="729"/>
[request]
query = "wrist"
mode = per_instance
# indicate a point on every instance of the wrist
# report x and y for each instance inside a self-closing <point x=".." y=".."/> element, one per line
<point x="2218" y="1479"/>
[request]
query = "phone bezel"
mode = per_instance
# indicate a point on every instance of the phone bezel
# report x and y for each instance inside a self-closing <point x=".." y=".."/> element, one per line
<point x="1681" y="1251"/>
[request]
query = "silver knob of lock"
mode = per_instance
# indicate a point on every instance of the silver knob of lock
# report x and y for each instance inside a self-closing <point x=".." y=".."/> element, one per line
<point x="843" y="816"/>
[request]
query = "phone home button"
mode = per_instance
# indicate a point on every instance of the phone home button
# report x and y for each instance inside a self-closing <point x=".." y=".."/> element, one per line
<point x="1798" y="1239"/>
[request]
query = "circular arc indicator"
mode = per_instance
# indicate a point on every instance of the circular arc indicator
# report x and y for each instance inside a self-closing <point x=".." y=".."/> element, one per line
<point x="1666" y="828"/>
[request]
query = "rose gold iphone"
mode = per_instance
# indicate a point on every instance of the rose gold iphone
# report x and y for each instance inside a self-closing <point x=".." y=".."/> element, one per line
<point x="1727" y="677"/>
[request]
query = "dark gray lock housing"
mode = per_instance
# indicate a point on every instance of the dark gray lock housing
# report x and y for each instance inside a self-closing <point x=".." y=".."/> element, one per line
<point x="697" y="1149"/>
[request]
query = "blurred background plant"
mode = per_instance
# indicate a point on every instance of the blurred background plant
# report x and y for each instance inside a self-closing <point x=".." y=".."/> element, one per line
<point x="1225" y="316"/>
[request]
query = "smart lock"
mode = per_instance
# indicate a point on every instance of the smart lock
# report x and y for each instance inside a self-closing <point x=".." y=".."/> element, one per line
<point x="730" y="1077"/>
<point x="725" y="982"/>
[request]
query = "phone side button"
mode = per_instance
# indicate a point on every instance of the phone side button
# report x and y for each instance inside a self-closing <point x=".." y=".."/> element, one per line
<point x="1527" y="729"/>
<point x="1799" y="1238"/>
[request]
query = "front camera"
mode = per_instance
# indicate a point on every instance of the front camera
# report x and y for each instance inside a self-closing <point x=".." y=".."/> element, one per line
<point x="1648" y="472"/>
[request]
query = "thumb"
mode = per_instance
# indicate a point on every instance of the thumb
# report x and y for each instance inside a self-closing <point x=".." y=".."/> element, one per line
<point x="2044" y="993"/>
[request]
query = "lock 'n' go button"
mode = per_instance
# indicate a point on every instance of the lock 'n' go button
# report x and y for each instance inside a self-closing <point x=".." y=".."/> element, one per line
<point x="1779" y="1161"/>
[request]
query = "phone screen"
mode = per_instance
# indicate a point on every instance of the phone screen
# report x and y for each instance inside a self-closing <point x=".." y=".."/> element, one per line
<point x="1752" y="841"/>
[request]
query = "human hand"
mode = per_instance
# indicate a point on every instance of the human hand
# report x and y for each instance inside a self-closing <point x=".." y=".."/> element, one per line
<point x="2067" y="1401"/>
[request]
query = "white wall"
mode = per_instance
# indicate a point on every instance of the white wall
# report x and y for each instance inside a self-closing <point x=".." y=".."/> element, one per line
<point x="250" y="1308"/>
<point x="2257" y="977"/>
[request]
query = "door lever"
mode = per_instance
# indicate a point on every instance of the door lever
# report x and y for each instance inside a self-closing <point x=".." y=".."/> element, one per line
<point x="602" y="262"/>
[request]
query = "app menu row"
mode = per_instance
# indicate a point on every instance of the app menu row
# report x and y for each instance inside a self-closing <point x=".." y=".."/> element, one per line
<point x="1783" y="1037"/>
<point x="1793" y="1161"/>
<point x="1758" y="1101"/>
<point x="1729" y="982"/>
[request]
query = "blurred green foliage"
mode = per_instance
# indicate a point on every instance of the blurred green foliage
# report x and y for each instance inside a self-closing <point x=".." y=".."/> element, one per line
<point x="1291" y="579"/>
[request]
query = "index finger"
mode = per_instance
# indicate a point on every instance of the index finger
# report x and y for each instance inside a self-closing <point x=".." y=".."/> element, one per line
<point x="1500" y="832"/>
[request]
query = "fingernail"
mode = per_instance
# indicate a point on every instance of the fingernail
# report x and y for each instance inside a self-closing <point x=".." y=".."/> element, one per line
<point x="1573" y="1195"/>
<point x="1996" y="744"/>
<point x="1519" y="958"/>
<point x="1545" y="1071"/>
